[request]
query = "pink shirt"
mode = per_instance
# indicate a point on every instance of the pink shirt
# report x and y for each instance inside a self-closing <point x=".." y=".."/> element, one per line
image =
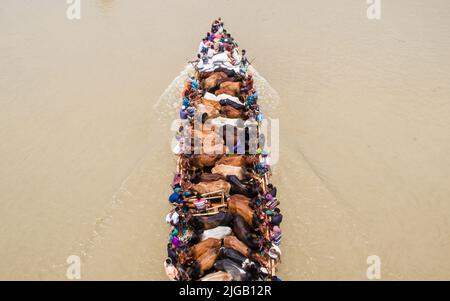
<point x="200" y="204"/>
<point x="171" y="271"/>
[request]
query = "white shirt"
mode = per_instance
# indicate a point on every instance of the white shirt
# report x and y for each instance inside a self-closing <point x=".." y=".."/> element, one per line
<point x="201" y="46"/>
<point x="211" y="52"/>
<point x="200" y="65"/>
<point x="236" y="56"/>
<point x="172" y="217"/>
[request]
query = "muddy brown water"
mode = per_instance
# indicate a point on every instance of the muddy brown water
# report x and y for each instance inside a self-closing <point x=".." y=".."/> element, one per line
<point x="364" y="112"/>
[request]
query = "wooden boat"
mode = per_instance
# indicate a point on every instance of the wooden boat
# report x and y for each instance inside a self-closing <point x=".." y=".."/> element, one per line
<point x="230" y="70"/>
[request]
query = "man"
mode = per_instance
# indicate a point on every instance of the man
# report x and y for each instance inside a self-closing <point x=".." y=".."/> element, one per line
<point x="209" y="37"/>
<point x="197" y="62"/>
<point x="211" y="51"/>
<point x="205" y="58"/>
<point x="183" y="113"/>
<point x="202" y="47"/>
<point x="176" y="198"/>
<point x="277" y="217"/>
<point x="276" y="236"/>
<point x="194" y="83"/>
<point x="200" y="203"/>
<point x="171" y="270"/>
<point x="172" y="253"/>
<point x="272" y="190"/>
<point x="173" y="217"/>
<point x="235" y="56"/>
<point x="244" y="62"/>
<point x="191" y="113"/>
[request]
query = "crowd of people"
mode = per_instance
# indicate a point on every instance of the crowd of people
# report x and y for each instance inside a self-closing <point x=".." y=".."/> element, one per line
<point x="219" y="41"/>
<point x="225" y="220"/>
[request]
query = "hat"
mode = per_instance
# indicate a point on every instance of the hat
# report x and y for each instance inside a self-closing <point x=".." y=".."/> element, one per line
<point x="178" y="189"/>
<point x="183" y="107"/>
<point x="269" y="196"/>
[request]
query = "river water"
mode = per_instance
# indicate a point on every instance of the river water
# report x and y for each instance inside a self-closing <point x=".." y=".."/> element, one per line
<point x="363" y="106"/>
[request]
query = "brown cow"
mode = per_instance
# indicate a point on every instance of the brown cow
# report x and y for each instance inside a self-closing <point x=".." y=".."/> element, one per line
<point x="234" y="243"/>
<point x="238" y="160"/>
<point x="207" y="259"/>
<point x="228" y="170"/>
<point x="200" y="248"/>
<point x="203" y="263"/>
<point x="203" y="160"/>
<point x="230" y="112"/>
<point x="208" y="187"/>
<point x="209" y="140"/>
<point x="211" y="103"/>
<point x="239" y="204"/>
<point x="230" y="88"/>
<point x="215" y="80"/>
<point x="239" y="199"/>
<point x="210" y="111"/>
<point x="211" y="177"/>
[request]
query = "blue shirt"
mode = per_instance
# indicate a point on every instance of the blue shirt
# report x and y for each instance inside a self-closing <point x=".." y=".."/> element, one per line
<point x="195" y="84"/>
<point x="183" y="114"/>
<point x="176" y="198"/>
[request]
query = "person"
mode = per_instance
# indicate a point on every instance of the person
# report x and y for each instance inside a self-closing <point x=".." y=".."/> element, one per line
<point x="243" y="64"/>
<point x="205" y="58"/>
<point x="277" y="218"/>
<point x="249" y="83"/>
<point x="186" y="89"/>
<point x="171" y="270"/>
<point x="197" y="62"/>
<point x="171" y="253"/>
<point x="176" y="198"/>
<point x="194" y="83"/>
<point x="259" y="117"/>
<point x="183" y="113"/>
<point x="227" y="43"/>
<point x="210" y="37"/>
<point x="173" y="217"/>
<point x="272" y="190"/>
<point x="274" y="252"/>
<point x="218" y="35"/>
<point x="276" y="236"/>
<point x="179" y="135"/>
<point x="200" y="203"/>
<point x="191" y="112"/>
<point x="176" y="242"/>
<point x="211" y="51"/>
<point x="186" y="101"/>
<point x="202" y="47"/>
<point x="235" y="55"/>
<point x="271" y="202"/>
<point x="251" y="98"/>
